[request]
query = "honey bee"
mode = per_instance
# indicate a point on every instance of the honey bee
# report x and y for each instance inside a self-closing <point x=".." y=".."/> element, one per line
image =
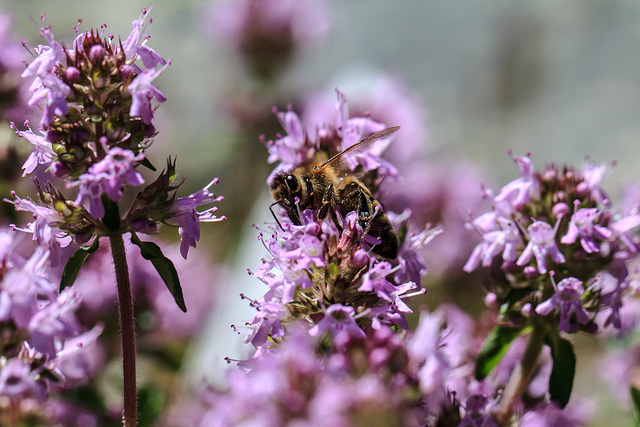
<point x="324" y="187"/>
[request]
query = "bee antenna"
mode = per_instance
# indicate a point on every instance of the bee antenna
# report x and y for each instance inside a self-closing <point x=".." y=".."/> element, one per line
<point x="273" y="213"/>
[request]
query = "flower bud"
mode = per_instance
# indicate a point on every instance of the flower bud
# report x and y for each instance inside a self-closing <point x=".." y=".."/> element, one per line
<point x="73" y="74"/>
<point x="97" y="53"/>
<point x="491" y="300"/>
<point x="530" y="272"/>
<point x="560" y="210"/>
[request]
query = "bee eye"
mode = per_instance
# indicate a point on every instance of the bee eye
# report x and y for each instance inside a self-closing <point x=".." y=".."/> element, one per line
<point x="292" y="182"/>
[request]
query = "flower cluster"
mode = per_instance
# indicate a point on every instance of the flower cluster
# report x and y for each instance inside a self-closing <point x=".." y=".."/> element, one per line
<point x="325" y="272"/>
<point x="384" y="378"/>
<point x="44" y="347"/>
<point x="97" y="100"/>
<point x="320" y="141"/>
<point x="370" y="383"/>
<point x="268" y="33"/>
<point x="557" y="247"/>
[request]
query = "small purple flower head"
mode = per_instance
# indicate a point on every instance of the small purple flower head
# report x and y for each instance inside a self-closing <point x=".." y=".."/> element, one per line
<point x="518" y="193"/>
<point x="107" y="177"/>
<point x="54" y="93"/>
<point x="567" y="300"/>
<point x="18" y="381"/>
<point x="593" y="174"/>
<point x="54" y="322"/>
<point x="339" y="320"/>
<point x="42" y="151"/>
<point x="504" y="241"/>
<point x="136" y="44"/>
<point x="266" y="33"/>
<point x="188" y="218"/>
<point x="477" y="412"/>
<point x="584" y="226"/>
<point x="143" y="92"/>
<point x="541" y="243"/>
<point x="45" y="227"/>
<point x="266" y="323"/>
<point x="313" y="141"/>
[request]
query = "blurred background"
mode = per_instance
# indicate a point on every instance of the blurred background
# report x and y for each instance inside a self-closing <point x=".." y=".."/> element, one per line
<point x="466" y="80"/>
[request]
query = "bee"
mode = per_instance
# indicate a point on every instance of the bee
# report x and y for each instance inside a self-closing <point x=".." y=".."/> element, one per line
<point x="325" y="187"/>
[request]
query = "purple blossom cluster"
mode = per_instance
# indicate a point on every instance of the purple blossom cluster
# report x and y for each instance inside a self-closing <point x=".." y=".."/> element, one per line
<point x="383" y="377"/>
<point x="45" y="349"/>
<point x="97" y="98"/>
<point x="555" y="237"/>
<point x="323" y="273"/>
<point x="267" y="33"/>
<point x="322" y="140"/>
<point x="323" y="277"/>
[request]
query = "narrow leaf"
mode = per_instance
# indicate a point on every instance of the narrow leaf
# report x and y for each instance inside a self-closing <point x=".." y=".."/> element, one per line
<point x="147" y="164"/>
<point x="564" y="368"/>
<point x="635" y="397"/>
<point x="494" y="348"/>
<point x="165" y="268"/>
<point x="75" y="263"/>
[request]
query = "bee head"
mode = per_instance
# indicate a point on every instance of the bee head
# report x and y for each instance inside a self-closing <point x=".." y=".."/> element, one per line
<point x="285" y="188"/>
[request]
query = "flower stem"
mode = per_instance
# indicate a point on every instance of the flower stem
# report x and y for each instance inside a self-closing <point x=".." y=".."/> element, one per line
<point x="127" y="326"/>
<point x="521" y="375"/>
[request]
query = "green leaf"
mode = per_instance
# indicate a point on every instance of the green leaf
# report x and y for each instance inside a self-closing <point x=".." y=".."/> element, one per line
<point x="635" y="397"/>
<point x="75" y="263"/>
<point x="564" y="368"/>
<point x="147" y="164"/>
<point x="494" y="348"/>
<point x="111" y="218"/>
<point x="163" y="265"/>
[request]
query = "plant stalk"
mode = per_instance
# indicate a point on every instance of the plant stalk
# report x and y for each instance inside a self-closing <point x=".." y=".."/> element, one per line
<point x="127" y="327"/>
<point x="521" y="375"/>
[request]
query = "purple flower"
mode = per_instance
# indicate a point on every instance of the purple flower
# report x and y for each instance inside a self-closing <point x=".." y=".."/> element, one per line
<point x="386" y="100"/>
<point x="593" y="174"/>
<point x="54" y="322"/>
<point x="505" y="241"/>
<point x="48" y="56"/>
<point x="237" y="22"/>
<point x="42" y="151"/>
<point x="106" y="177"/>
<point x="18" y="381"/>
<point x="135" y="45"/>
<point x="266" y="323"/>
<point x="622" y="228"/>
<point x="188" y="218"/>
<point x="541" y="243"/>
<point x="583" y="225"/>
<point x="612" y="291"/>
<point x="54" y="92"/>
<point x="305" y="141"/>
<point x="411" y="264"/>
<point x="374" y="280"/>
<point x="567" y="300"/>
<point x="549" y="415"/>
<point x="44" y="227"/>
<point x="339" y="319"/>
<point x="143" y="92"/>
<point x="477" y="412"/>
<point x="518" y="193"/>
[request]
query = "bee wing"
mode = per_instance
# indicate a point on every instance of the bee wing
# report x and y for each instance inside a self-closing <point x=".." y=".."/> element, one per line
<point x="358" y="147"/>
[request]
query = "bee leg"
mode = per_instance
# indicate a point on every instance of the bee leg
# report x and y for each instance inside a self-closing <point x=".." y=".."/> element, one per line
<point x="355" y="199"/>
<point x="327" y="197"/>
